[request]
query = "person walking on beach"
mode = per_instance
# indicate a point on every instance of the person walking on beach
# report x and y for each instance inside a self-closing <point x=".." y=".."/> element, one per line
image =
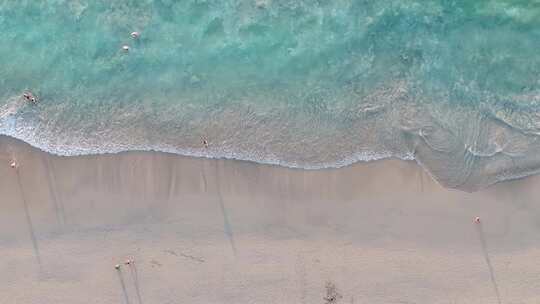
<point x="13" y="164"/>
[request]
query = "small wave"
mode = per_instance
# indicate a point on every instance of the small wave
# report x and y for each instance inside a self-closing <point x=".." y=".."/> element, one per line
<point x="467" y="156"/>
<point x="73" y="151"/>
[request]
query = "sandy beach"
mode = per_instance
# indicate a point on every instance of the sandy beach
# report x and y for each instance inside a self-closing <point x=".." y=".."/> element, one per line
<point x="224" y="231"/>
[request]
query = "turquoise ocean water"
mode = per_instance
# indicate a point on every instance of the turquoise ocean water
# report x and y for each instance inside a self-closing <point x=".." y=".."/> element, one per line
<point x="300" y="83"/>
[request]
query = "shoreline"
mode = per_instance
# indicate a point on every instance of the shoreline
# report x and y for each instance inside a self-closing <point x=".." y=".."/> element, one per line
<point x="196" y="153"/>
<point x="226" y="231"/>
<point x="477" y="183"/>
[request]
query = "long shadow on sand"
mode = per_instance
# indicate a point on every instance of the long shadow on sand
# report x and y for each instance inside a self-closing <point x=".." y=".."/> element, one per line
<point x="29" y="220"/>
<point x="135" y="277"/>
<point x="226" y="224"/>
<point x="480" y="231"/>
<point x="123" y="285"/>
<point x="51" y="182"/>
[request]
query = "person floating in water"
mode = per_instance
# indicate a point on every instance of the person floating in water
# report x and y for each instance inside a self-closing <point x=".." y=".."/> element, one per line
<point x="28" y="96"/>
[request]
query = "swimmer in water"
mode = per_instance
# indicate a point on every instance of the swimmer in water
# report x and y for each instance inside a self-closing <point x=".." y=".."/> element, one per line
<point x="205" y="143"/>
<point x="135" y="35"/>
<point x="30" y="97"/>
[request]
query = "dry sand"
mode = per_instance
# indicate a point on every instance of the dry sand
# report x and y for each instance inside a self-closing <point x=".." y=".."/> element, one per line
<point x="223" y="231"/>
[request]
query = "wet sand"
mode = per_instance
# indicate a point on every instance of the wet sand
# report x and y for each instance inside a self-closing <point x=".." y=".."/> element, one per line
<point x="224" y="231"/>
